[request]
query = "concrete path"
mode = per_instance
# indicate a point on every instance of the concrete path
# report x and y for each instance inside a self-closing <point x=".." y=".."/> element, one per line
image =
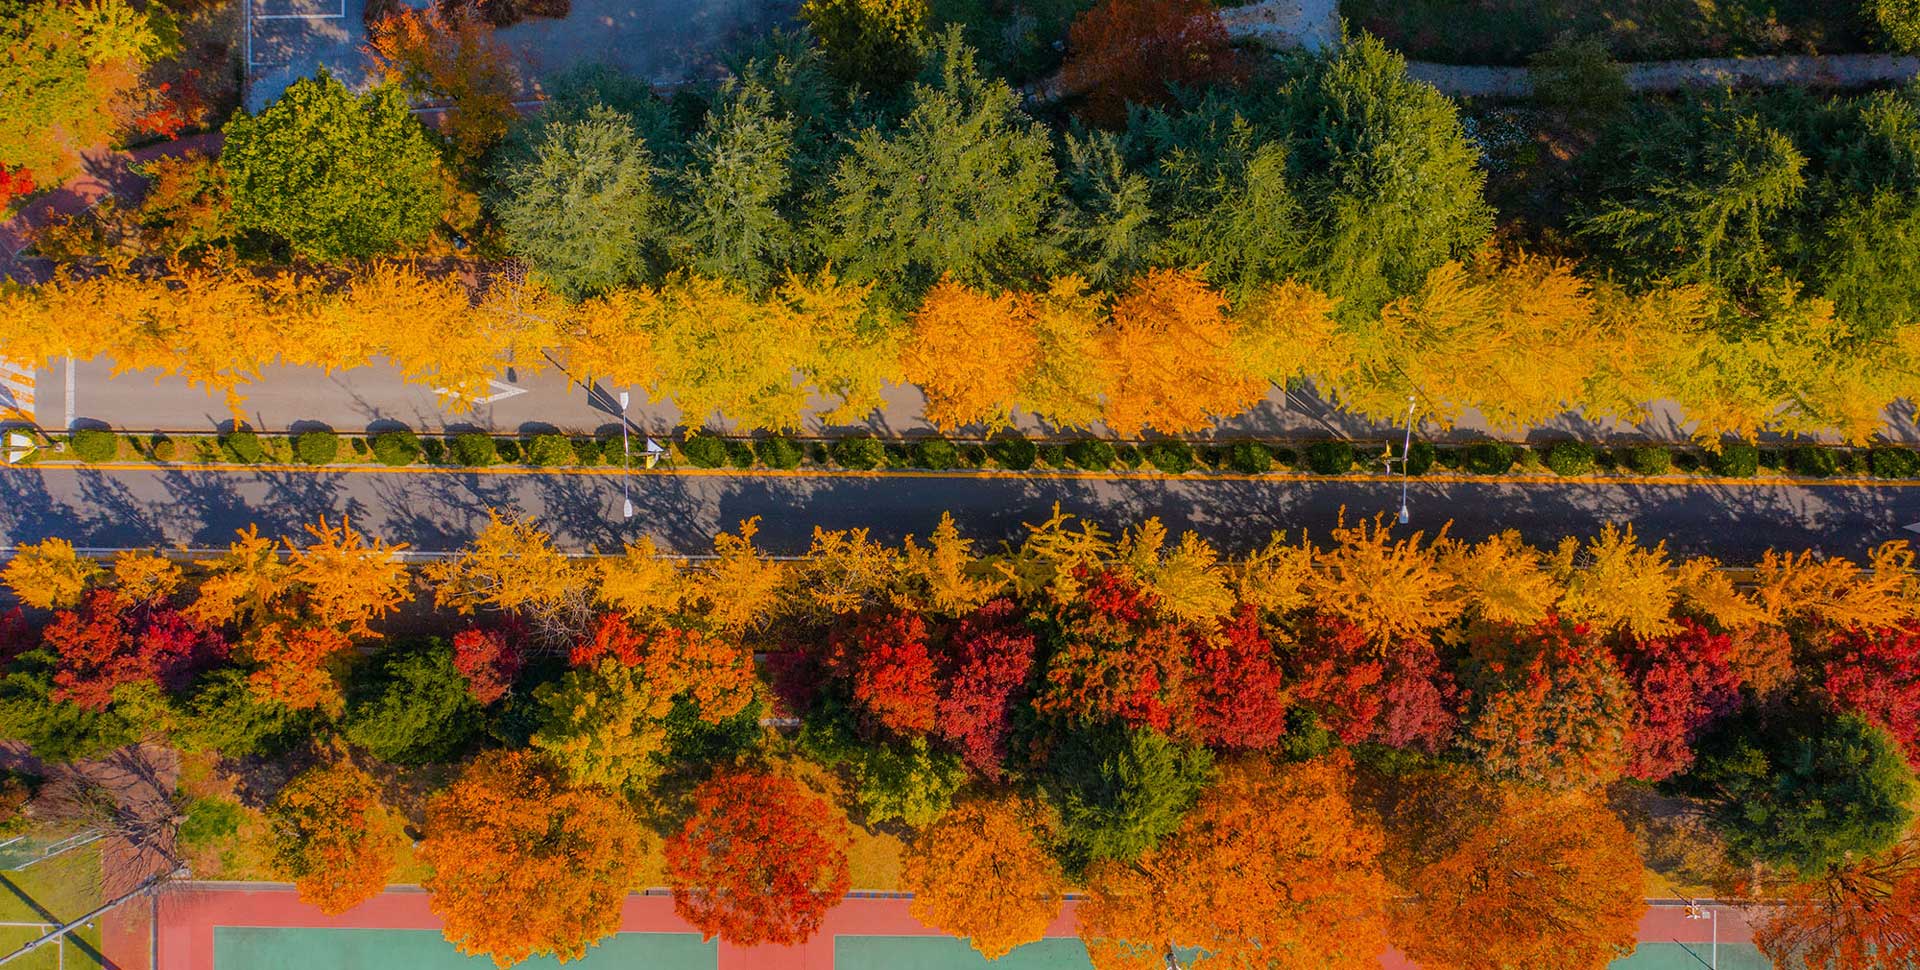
<point x="1832" y="71"/>
<point x="439" y="509"/>
<point x="104" y="172"/>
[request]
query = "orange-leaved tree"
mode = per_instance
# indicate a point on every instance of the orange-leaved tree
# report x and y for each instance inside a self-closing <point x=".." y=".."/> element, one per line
<point x="452" y="56"/>
<point x="1273" y="867"/>
<point x="1176" y="363"/>
<point x="1860" y="916"/>
<point x="1544" y="881"/>
<point x="980" y="872"/>
<point x="970" y="353"/>
<point x="507" y="839"/>
<point x="760" y="860"/>
<point x="334" y="837"/>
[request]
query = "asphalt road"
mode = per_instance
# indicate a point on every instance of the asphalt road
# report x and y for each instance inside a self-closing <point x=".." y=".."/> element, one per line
<point x="440" y="510"/>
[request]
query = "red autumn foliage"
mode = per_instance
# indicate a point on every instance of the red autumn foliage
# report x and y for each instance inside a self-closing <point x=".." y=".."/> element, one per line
<point x="14" y="183"/>
<point x="1877" y="673"/>
<point x="488" y="660"/>
<point x="112" y="641"/>
<point x="1117" y="661"/>
<point x="992" y="655"/>
<point x="1682" y="683"/>
<point x="1550" y="705"/>
<point x="612" y="636"/>
<point x="1239" y="692"/>
<point x="893" y="672"/>
<point x="1397" y="695"/>
<point x="1137" y="50"/>
<point x="761" y="860"/>
<point x="16" y="637"/>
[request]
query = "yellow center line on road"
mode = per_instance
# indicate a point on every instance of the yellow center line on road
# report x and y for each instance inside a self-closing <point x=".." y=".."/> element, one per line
<point x="1275" y="478"/>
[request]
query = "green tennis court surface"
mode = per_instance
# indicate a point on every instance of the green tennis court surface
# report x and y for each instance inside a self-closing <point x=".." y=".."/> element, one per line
<point x="946" y="953"/>
<point x="302" y="948"/>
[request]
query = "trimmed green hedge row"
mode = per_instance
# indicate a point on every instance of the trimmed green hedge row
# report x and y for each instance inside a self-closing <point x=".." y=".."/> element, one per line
<point x="1009" y="451"/>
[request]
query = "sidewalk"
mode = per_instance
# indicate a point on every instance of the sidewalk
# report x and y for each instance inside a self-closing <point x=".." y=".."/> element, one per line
<point x="104" y="172"/>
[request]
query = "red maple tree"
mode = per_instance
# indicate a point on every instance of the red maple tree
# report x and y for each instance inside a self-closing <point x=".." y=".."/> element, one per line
<point x="1877" y="673"/>
<point x="1550" y="706"/>
<point x="1137" y="51"/>
<point x="15" y="182"/>
<point x="1682" y="683"/>
<point x="613" y="636"/>
<point x="1116" y="660"/>
<point x="488" y="660"/>
<point x="992" y="655"/>
<point x="1239" y="692"/>
<point x="761" y="859"/>
<point x="1397" y="695"/>
<point x="111" y="641"/>
<point x="892" y="670"/>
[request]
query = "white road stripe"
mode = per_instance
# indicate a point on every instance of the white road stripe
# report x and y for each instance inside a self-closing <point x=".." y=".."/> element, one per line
<point x="16" y="392"/>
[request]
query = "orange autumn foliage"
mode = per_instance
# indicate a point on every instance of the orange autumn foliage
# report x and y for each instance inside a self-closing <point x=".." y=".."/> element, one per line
<point x="1174" y="355"/>
<point x="1544" y="881"/>
<point x="523" y="865"/>
<point x="295" y="666"/>
<point x="334" y="837"/>
<point x="451" y="56"/>
<point x="980" y="872"/>
<point x="1305" y="891"/>
<point x="1861" y="916"/>
<point x="970" y="353"/>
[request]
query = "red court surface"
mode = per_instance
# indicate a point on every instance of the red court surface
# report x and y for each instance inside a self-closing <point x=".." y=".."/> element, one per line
<point x="187" y="913"/>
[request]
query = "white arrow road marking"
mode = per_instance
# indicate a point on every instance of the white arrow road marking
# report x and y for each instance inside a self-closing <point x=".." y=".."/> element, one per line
<point x="1914" y="527"/>
<point x="16" y="392"/>
<point x="500" y="393"/>
<point x="19" y="446"/>
<point x="654" y="451"/>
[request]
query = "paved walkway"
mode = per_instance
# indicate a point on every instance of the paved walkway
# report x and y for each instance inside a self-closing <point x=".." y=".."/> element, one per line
<point x="104" y="172"/>
<point x="188" y="915"/>
<point x="1833" y="71"/>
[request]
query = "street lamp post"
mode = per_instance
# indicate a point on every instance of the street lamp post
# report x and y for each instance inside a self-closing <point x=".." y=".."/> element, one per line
<point x="1406" y="455"/>
<point x="626" y="470"/>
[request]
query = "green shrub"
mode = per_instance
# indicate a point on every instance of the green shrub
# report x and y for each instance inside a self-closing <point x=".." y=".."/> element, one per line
<point x="1286" y="457"/>
<point x="509" y="450"/>
<point x="898" y="455"/>
<point x="1012" y="450"/>
<point x="208" y="821"/>
<point x="1053" y="456"/>
<point x="937" y="454"/>
<point x="358" y="446"/>
<point x="1489" y="458"/>
<point x="550" y="451"/>
<point x="435" y="450"/>
<point x="586" y="451"/>
<point x="95" y="444"/>
<point x="1420" y="457"/>
<point x="739" y="453"/>
<point x="400" y="447"/>
<point x="1129" y="456"/>
<point x="973" y="456"/>
<point x="1687" y="461"/>
<point x="778" y="451"/>
<point x="316" y="447"/>
<point x="474" y="449"/>
<point x="862" y="453"/>
<point x="1211" y="456"/>
<point x="242" y="446"/>
<point x="1893" y="462"/>
<point x="1171" y="457"/>
<point x="160" y="448"/>
<point x="1092" y="454"/>
<point x="1813" y="460"/>
<point x="1646" y="459"/>
<point x="1735" y="461"/>
<point x="1570" y="458"/>
<point x="704" y="450"/>
<point x="1249" y="458"/>
<point x="1330" y="457"/>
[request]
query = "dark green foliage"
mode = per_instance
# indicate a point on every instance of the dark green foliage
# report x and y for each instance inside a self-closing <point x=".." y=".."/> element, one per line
<point x="1898" y="22"/>
<point x="334" y="174"/>
<point x="704" y="450"/>
<point x="1894" y="462"/>
<point x="1488" y="458"/>
<point x="1121" y="791"/>
<point x="434" y="450"/>
<point x="739" y="453"/>
<point x="1249" y="458"/>
<point x="860" y="453"/>
<point x="586" y="451"/>
<point x="1570" y="458"/>
<point x="735" y="221"/>
<point x="1736" y="460"/>
<point x="1172" y="457"/>
<point x="1092" y="454"/>
<point x="938" y="454"/>
<point x="1579" y="78"/>
<point x="208" y="821"/>
<point x="962" y="185"/>
<point x="1813" y="460"/>
<point x="874" y="45"/>
<point x="550" y="451"/>
<point x="691" y="740"/>
<point x="316" y="447"/>
<point x="401" y="447"/>
<point x="1804" y="788"/>
<point x="411" y="705"/>
<point x="1330" y="457"/>
<point x="54" y="730"/>
<point x="583" y="209"/>
<point x="94" y="444"/>
<point x="474" y="449"/>
<point x="1011" y="450"/>
<point x="778" y="451"/>
<point x="221" y="713"/>
<point x="242" y="446"/>
<point x="508" y="449"/>
<point x="1226" y="199"/>
<point x="1420" y="457"/>
<point x="1053" y="456"/>
<point x="1646" y="459"/>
